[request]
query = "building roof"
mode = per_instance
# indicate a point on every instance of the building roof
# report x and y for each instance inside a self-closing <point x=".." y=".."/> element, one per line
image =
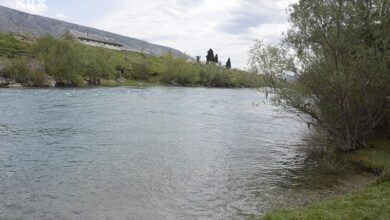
<point x="96" y="38"/>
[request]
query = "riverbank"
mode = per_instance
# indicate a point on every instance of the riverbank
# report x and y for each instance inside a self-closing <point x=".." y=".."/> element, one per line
<point x="103" y="83"/>
<point x="373" y="202"/>
<point x="106" y="83"/>
<point x="53" y="62"/>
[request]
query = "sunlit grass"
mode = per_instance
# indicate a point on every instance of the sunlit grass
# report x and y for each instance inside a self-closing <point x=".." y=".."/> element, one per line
<point x="10" y="45"/>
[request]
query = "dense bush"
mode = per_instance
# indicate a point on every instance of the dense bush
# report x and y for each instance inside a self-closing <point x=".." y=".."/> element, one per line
<point x="179" y="71"/>
<point x="71" y="63"/>
<point x="344" y="52"/>
<point x="61" y="60"/>
<point x="17" y="70"/>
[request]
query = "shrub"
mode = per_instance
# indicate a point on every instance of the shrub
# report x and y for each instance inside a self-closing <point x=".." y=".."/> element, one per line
<point x="17" y="70"/>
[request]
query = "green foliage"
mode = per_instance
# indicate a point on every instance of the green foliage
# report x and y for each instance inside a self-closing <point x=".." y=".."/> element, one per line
<point x="344" y="50"/>
<point x="23" y="70"/>
<point x="228" y="64"/>
<point x="96" y="63"/>
<point x="61" y="60"/>
<point x="178" y="71"/>
<point x="71" y="63"/>
<point x="269" y="60"/>
<point x="371" y="203"/>
<point x="10" y="44"/>
<point x="375" y="157"/>
<point x="210" y="56"/>
<point x="17" y="70"/>
<point x="141" y="70"/>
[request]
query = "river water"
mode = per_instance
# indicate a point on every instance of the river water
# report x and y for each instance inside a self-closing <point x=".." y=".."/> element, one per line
<point x="144" y="153"/>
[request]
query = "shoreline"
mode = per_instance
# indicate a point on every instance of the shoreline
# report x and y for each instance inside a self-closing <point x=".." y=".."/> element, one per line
<point x="369" y="200"/>
<point x="111" y="84"/>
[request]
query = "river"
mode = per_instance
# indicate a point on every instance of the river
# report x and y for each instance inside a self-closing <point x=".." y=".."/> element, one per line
<point x="144" y="153"/>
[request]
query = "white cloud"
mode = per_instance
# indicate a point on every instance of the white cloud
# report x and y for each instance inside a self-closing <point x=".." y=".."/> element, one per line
<point x="38" y="7"/>
<point x="228" y="26"/>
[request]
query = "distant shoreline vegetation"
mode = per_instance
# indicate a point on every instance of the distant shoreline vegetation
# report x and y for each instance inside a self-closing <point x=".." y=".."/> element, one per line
<point x="52" y="62"/>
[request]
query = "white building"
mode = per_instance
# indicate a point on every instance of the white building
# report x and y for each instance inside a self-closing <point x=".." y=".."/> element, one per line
<point x="95" y="40"/>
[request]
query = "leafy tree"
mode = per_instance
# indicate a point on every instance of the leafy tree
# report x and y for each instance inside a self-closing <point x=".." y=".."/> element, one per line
<point x="178" y="71"/>
<point x="269" y="60"/>
<point x="210" y="56"/>
<point x="228" y="64"/>
<point x="344" y="50"/>
<point x="96" y="63"/>
<point x="60" y="59"/>
<point x="216" y="58"/>
<point x="70" y="63"/>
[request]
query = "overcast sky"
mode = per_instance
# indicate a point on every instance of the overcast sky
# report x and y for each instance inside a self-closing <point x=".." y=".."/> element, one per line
<point x="192" y="26"/>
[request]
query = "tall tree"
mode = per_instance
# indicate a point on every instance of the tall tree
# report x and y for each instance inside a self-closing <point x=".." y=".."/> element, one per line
<point x="228" y="64"/>
<point x="344" y="51"/>
<point x="210" y="56"/>
<point x="197" y="59"/>
<point x="216" y="58"/>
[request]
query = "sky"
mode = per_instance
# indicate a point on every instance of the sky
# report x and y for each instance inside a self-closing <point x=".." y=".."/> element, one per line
<point x="229" y="27"/>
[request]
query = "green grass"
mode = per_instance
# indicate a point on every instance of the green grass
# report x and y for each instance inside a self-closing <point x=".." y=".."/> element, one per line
<point x="10" y="45"/>
<point x="377" y="156"/>
<point x="371" y="203"/>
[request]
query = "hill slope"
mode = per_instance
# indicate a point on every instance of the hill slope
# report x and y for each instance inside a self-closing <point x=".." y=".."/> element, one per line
<point x="18" y="22"/>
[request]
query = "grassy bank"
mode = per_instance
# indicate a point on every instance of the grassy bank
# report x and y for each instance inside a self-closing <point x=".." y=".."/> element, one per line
<point x="66" y="62"/>
<point x="371" y="203"/>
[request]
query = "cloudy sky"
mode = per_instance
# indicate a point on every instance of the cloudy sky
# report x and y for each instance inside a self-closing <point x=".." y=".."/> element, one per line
<point x="192" y="26"/>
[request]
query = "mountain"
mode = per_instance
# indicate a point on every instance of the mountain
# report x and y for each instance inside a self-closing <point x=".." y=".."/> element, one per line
<point x="18" y="22"/>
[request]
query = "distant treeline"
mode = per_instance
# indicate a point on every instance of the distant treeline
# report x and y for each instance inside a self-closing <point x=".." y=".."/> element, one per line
<point x="66" y="62"/>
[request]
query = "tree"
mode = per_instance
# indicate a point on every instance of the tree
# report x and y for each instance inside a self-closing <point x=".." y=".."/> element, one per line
<point x="210" y="56"/>
<point x="178" y="71"/>
<point x="60" y="58"/>
<point x="228" y="64"/>
<point x="96" y="63"/>
<point x="269" y="60"/>
<point x="70" y="62"/>
<point x="198" y="59"/>
<point x="344" y="49"/>
<point x="216" y="58"/>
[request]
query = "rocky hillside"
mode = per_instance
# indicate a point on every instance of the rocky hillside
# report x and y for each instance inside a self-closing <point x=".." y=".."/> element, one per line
<point x="18" y="22"/>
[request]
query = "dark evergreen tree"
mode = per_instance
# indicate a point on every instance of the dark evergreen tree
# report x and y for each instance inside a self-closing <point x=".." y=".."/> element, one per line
<point x="210" y="56"/>
<point x="228" y="64"/>
<point x="216" y="58"/>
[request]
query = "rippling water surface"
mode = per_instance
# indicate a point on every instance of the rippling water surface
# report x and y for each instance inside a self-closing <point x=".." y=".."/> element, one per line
<point x="143" y="153"/>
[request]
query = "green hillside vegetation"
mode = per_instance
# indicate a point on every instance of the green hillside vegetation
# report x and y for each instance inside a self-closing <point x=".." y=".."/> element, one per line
<point x="10" y="44"/>
<point x="70" y="63"/>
